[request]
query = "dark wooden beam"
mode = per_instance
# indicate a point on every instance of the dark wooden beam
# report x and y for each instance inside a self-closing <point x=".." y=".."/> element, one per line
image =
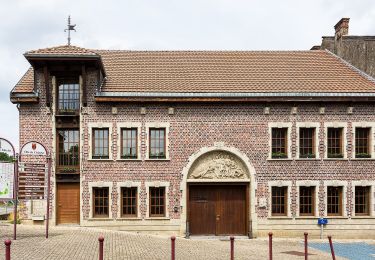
<point x="47" y="86"/>
<point x="84" y="87"/>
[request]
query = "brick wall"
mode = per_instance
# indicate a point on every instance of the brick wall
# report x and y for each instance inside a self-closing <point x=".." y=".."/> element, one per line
<point x="193" y="126"/>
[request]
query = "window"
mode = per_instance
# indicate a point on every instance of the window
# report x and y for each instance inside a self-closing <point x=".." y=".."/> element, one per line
<point x="307" y="143"/>
<point x="68" y="95"/>
<point x="362" y="201"/>
<point x="279" y="143"/>
<point x="100" y="146"/>
<point x="306" y="201"/>
<point x="334" y="201"/>
<point x="101" y="202"/>
<point x="129" y="143"/>
<point x="129" y="202"/>
<point x="157" y="201"/>
<point x="157" y="143"/>
<point x="279" y="201"/>
<point x="335" y="143"/>
<point x="362" y="142"/>
<point x="68" y="148"/>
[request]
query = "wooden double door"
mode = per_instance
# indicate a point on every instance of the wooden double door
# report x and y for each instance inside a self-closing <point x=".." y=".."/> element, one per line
<point x="67" y="202"/>
<point x="218" y="209"/>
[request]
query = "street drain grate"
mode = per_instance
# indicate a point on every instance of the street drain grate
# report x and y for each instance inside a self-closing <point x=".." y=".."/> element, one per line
<point x="295" y="253"/>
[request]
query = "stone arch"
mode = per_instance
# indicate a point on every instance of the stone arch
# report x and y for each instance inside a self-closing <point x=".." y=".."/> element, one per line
<point x="244" y="172"/>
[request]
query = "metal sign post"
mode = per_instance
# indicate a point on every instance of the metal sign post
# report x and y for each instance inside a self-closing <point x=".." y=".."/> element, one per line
<point x="34" y="176"/>
<point x="322" y="222"/>
<point x="6" y="183"/>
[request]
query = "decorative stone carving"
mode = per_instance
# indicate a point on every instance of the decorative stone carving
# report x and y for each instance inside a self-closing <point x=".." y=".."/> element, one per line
<point x="218" y="165"/>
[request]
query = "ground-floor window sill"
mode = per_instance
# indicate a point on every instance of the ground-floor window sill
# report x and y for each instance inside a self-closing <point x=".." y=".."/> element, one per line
<point x="126" y="219"/>
<point x="100" y="219"/>
<point x="158" y="218"/>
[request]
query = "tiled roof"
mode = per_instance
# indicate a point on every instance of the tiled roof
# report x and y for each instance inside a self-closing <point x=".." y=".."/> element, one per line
<point x="61" y="51"/>
<point x="227" y="72"/>
<point x="26" y="83"/>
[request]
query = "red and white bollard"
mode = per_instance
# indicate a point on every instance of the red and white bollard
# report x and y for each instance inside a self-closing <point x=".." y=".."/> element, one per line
<point x="331" y="246"/>
<point x="173" y="247"/>
<point x="306" y="252"/>
<point x="101" y="248"/>
<point x="7" y="249"/>
<point x="231" y="248"/>
<point x="270" y="245"/>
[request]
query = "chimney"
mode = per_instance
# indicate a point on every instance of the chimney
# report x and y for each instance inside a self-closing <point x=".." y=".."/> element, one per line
<point x="342" y="28"/>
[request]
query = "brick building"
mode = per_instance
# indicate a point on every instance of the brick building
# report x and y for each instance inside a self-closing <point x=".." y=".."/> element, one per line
<point x="358" y="50"/>
<point x="203" y="142"/>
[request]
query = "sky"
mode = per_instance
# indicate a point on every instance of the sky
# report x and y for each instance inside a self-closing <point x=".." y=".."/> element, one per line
<point x="165" y="25"/>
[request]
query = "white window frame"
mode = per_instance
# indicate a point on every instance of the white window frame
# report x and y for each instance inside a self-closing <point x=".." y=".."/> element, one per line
<point x="100" y="184"/>
<point x="157" y="184"/>
<point x="370" y="125"/>
<point x="287" y="184"/>
<point x="110" y="142"/>
<point x="335" y="183"/>
<point x="128" y="125"/>
<point x="289" y="139"/>
<point x="165" y="125"/>
<point x="370" y="184"/>
<point x="344" y="127"/>
<point x="128" y="184"/>
<point x="314" y="125"/>
<point x="307" y="183"/>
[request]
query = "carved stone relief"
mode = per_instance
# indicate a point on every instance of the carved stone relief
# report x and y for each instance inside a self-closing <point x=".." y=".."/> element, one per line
<point x="218" y="165"/>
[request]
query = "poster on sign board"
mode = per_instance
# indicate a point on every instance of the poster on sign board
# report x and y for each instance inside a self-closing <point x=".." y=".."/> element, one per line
<point x="6" y="170"/>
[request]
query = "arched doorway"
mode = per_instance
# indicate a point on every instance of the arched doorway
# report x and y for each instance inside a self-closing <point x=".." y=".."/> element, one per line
<point x="217" y="193"/>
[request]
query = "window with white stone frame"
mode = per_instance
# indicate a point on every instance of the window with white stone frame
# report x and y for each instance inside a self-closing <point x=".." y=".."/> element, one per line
<point x="279" y="198"/>
<point x="335" y="140"/>
<point x="100" y="141"/>
<point x="157" y="199"/>
<point x="129" y="141"/>
<point x="307" y="198"/>
<point x="363" y="140"/>
<point x="307" y="140"/>
<point x="100" y="200"/>
<point x="157" y="141"/>
<point x="363" y="198"/>
<point x="335" y="198"/>
<point x="280" y="140"/>
<point x="128" y="199"/>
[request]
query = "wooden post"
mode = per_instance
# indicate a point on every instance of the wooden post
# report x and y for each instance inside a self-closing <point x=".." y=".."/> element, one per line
<point x="231" y="248"/>
<point x="173" y="248"/>
<point x="101" y="248"/>
<point x="270" y="245"/>
<point x="306" y="253"/>
<point x="331" y="246"/>
<point x="7" y="249"/>
<point x="48" y="191"/>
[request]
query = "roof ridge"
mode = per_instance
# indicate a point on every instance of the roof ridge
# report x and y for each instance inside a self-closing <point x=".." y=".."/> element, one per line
<point x="353" y="68"/>
<point x="222" y="51"/>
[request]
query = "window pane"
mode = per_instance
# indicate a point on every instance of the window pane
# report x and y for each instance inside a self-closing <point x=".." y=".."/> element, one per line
<point x="157" y="201"/>
<point x="307" y="143"/>
<point x="334" y="143"/>
<point x="279" y="142"/>
<point x="362" y="143"/>
<point x="157" y="143"/>
<point x="334" y="201"/>
<point x="101" y="202"/>
<point x="362" y="200"/>
<point x="279" y="200"/>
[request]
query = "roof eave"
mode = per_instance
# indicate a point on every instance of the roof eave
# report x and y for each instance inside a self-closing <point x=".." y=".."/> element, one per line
<point x="231" y="97"/>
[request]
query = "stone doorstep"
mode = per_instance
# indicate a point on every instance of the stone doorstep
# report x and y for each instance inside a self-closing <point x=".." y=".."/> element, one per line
<point x="220" y="238"/>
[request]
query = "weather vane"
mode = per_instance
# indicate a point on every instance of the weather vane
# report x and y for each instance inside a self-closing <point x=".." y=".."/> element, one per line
<point x="70" y="28"/>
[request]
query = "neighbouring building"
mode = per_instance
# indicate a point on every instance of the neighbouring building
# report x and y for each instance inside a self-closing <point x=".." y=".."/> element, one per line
<point x="203" y="142"/>
<point x="357" y="50"/>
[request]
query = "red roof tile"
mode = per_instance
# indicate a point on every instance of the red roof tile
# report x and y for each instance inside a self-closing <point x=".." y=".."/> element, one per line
<point x="223" y="72"/>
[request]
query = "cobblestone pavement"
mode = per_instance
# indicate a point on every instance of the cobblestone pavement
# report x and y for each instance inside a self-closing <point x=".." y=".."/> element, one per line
<point x="82" y="243"/>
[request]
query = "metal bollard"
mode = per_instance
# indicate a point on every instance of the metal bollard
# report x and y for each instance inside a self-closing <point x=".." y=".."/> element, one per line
<point x="101" y="248"/>
<point x="231" y="248"/>
<point x="7" y="249"/>
<point x="270" y="245"/>
<point x="173" y="247"/>
<point x="331" y="246"/>
<point x="306" y="252"/>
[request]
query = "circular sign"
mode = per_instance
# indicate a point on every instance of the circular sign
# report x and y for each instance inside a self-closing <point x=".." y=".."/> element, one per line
<point x="33" y="148"/>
